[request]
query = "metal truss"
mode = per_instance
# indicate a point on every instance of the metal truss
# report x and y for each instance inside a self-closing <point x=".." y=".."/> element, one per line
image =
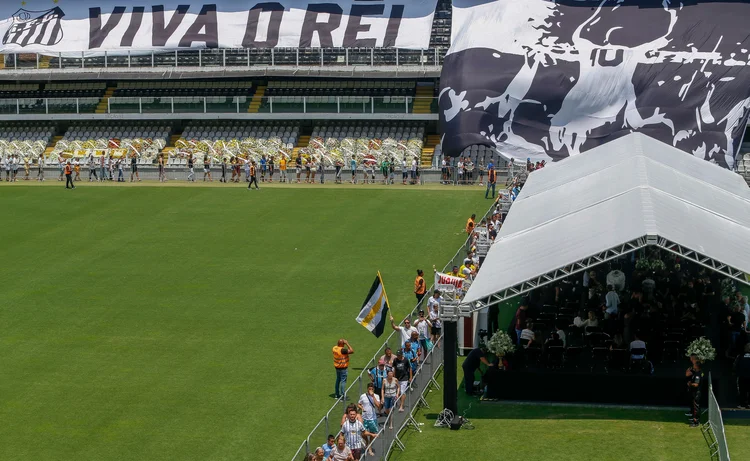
<point x="465" y="310"/>
<point x="703" y="260"/>
<point x="555" y="275"/>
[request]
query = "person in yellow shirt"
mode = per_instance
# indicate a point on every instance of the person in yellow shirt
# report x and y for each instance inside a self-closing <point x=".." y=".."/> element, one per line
<point x="470" y="224"/>
<point x="282" y="169"/>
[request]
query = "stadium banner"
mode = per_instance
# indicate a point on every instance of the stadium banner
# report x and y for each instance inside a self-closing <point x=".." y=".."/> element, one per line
<point x="546" y="79"/>
<point x="73" y="27"/>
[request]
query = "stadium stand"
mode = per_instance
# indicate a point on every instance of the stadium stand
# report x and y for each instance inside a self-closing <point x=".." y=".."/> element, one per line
<point x="146" y="138"/>
<point x="337" y="96"/>
<point x="59" y="98"/>
<point x="231" y="138"/>
<point x="181" y="96"/>
<point x="28" y="138"/>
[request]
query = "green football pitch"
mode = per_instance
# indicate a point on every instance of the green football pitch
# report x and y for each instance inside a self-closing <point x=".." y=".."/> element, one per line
<point x="520" y="432"/>
<point x="196" y="323"/>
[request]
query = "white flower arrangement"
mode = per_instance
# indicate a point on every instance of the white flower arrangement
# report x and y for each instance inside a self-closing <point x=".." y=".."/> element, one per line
<point x="702" y="349"/>
<point x="500" y="344"/>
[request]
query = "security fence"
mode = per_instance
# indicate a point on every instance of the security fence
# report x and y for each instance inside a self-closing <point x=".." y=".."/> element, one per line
<point x="713" y="429"/>
<point x="422" y="383"/>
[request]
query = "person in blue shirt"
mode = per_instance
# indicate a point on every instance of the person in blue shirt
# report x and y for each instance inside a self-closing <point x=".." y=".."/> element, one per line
<point x="353" y="164"/>
<point x="328" y="446"/>
<point x="378" y="375"/>
<point x="263" y="168"/>
<point x="416" y="346"/>
<point x="411" y="355"/>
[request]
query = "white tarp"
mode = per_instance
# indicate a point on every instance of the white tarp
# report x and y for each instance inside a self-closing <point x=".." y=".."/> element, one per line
<point x="630" y="188"/>
<point x="92" y="27"/>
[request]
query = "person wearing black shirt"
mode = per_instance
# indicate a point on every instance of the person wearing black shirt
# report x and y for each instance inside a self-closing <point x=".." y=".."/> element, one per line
<point x="402" y="371"/>
<point x="742" y="368"/>
<point x="471" y="365"/>
<point x="134" y="168"/>
<point x="694" y="376"/>
<point x="191" y="172"/>
<point x="737" y="328"/>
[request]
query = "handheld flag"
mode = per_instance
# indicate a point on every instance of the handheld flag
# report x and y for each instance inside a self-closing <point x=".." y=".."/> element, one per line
<point x="374" y="313"/>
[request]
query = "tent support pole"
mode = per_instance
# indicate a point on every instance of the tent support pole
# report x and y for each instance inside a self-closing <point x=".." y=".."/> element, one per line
<point x="450" y="371"/>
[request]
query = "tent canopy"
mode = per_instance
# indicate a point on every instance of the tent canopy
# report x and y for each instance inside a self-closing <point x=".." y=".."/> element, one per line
<point x="611" y="200"/>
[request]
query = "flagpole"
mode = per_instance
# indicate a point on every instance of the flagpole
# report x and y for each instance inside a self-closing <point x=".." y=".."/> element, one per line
<point x="384" y="293"/>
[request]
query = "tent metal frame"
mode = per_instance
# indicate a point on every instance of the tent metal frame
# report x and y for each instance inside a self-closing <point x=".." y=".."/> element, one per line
<point x="466" y="310"/>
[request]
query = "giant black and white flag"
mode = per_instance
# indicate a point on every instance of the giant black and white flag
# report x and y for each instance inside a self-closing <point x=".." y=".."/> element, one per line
<point x="551" y="78"/>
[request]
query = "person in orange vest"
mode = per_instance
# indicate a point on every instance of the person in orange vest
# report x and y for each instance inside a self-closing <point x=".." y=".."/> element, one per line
<point x="253" y="178"/>
<point x="69" y="176"/>
<point x="420" y="287"/>
<point x="341" y="352"/>
<point x="491" y="180"/>
<point x="470" y="224"/>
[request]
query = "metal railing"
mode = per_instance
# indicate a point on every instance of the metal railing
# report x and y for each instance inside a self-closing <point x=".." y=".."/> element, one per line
<point x="221" y="105"/>
<point x="235" y="57"/>
<point x="713" y="428"/>
<point x="422" y="380"/>
<point x="270" y="104"/>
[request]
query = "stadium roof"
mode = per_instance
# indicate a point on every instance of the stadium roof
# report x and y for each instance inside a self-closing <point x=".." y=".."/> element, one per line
<point x="612" y="200"/>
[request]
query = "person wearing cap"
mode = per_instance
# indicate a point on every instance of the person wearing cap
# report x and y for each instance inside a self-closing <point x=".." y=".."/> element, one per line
<point x="403" y="373"/>
<point x="341" y="352"/>
<point x="471" y="365"/>
<point x="420" y="287"/>
<point x="491" y="180"/>
<point x="377" y="375"/>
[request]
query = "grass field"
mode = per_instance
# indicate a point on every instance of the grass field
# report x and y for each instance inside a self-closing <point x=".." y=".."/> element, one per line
<point x="544" y="432"/>
<point x="148" y="323"/>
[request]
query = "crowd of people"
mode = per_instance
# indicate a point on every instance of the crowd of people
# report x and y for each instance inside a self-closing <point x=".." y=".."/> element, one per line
<point x="630" y="315"/>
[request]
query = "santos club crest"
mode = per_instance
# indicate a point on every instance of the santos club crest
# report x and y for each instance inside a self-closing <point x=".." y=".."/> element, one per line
<point x="35" y="28"/>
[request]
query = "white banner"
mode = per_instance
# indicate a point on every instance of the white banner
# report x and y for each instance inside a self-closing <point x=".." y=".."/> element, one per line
<point x="117" y="27"/>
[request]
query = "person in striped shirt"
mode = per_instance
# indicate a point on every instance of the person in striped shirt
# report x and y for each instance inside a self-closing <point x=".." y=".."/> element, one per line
<point x="354" y="432"/>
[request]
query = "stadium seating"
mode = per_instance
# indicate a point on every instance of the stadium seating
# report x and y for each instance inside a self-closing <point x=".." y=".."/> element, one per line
<point x="338" y="96"/>
<point x="231" y="138"/>
<point x="376" y="139"/>
<point x="26" y="138"/>
<point x="54" y="98"/>
<point x="147" y="138"/>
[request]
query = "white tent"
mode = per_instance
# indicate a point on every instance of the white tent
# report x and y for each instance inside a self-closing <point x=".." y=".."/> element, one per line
<point x="612" y="200"/>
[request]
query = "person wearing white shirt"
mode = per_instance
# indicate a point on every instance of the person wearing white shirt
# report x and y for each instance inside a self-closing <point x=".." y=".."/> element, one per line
<point x="370" y="404"/>
<point x="414" y="171"/>
<point x="561" y="334"/>
<point x="637" y="344"/>
<point x="612" y="302"/>
<point x="405" y="331"/>
<point x="433" y="309"/>
<point x="423" y="327"/>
